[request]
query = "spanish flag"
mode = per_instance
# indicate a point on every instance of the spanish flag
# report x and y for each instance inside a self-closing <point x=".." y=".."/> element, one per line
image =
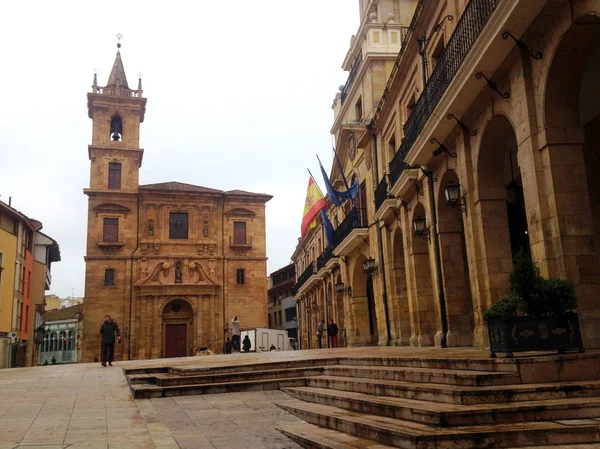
<point x="314" y="203"/>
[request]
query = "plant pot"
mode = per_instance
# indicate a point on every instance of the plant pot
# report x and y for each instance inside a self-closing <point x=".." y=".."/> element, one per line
<point x="529" y="333"/>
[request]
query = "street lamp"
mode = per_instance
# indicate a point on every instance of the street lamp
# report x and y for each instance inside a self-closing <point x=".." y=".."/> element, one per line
<point x="340" y="288"/>
<point x="453" y="198"/>
<point x="369" y="265"/>
<point x="420" y="227"/>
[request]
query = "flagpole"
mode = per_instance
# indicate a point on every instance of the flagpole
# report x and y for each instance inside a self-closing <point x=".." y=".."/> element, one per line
<point x="341" y="169"/>
<point x="315" y="182"/>
<point x="321" y="164"/>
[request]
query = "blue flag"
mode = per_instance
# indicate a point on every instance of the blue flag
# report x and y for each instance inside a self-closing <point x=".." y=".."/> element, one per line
<point x="335" y="196"/>
<point x="328" y="227"/>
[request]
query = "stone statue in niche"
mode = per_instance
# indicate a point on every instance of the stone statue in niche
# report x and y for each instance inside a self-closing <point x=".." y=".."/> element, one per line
<point x="144" y="268"/>
<point x="150" y="228"/>
<point x="178" y="273"/>
<point x="212" y="263"/>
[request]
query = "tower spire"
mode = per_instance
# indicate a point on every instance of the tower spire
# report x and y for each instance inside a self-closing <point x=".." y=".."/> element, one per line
<point x="117" y="76"/>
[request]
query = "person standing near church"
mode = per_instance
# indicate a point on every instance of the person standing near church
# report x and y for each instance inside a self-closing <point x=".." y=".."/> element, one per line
<point x="235" y="334"/>
<point x="108" y="331"/>
<point x="320" y="328"/>
<point x="332" y="332"/>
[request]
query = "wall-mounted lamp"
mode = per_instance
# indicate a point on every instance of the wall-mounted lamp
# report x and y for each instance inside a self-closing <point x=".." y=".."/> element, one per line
<point x="341" y="288"/>
<point x="369" y="265"/>
<point x="453" y="198"/>
<point x="420" y="227"/>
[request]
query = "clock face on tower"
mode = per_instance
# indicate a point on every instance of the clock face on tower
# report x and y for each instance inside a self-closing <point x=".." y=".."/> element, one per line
<point x="352" y="147"/>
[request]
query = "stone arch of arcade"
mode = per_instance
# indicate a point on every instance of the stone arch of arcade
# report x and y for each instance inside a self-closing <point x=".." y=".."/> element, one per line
<point x="500" y="207"/>
<point x="455" y="267"/>
<point x="571" y="157"/>
<point x="363" y="306"/>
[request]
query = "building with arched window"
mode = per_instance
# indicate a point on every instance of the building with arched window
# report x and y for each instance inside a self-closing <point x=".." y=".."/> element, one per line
<point x="170" y="262"/>
<point x="62" y="336"/>
<point x="482" y="142"/>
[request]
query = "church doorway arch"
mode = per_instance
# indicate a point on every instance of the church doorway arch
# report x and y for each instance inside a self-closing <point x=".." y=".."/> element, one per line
<point x="177" y="325"/>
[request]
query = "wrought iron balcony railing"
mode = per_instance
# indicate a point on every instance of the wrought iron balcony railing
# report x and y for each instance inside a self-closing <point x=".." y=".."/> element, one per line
<point x="310" y="270"/>
<point x="468" y="28"/>
<point x="381" y="192"/>
<point x="357" y="218"/>
<point x="324" y="257"/>
<point x="351" y="76"/>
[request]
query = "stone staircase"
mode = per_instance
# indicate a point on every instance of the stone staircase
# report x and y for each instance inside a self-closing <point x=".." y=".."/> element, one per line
<point x="414" y="402"/>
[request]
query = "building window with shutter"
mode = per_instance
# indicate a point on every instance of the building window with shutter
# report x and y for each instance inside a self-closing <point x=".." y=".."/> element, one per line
<point x="109" y="277"/>
<point x="241" y="277"/>
<point x="114" y="176"/>
<point x="239" y="232"/>
<point x="110" y="231"/>
<point x="178" y="225"/>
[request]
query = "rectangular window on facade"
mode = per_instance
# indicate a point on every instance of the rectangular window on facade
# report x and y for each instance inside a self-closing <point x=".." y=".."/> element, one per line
<point x="110" y="230"/>
<point x="290" y="314"/>
<point x="239" y="232"/>
<point x="26" y="327"/>
<point x="114" y="176"/>
<point x="240" y="276"/>
<point x="178" y="225"/>
<point x="109" y="277"/>
<point x="358" y="110"/>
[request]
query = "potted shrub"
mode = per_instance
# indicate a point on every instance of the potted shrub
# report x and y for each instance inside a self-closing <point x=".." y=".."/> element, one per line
<point x="537" y="316"/>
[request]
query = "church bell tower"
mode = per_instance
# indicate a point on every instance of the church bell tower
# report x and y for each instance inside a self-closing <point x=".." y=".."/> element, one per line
<point x="115" y="157"/>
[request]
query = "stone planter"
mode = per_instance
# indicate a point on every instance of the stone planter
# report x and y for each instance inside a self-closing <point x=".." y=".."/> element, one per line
<point x="534" y="334"/>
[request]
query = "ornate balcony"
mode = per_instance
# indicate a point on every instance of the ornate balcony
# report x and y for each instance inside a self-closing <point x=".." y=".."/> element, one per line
<point x="351" y="232"/>
<point x="325" y="257"/>
<point x="351" y="76"/>
<point x="310" y="270"/>
<point x="468" y="28"/>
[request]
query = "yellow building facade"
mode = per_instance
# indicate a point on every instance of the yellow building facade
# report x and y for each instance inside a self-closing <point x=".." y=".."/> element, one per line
<point x="484" y="142"/>
<point x="170" y="262"/>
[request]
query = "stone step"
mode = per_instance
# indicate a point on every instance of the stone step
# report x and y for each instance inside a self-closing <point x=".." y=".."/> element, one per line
<point x="199" y="369"/>
<point x="315" y="437"/>
<point x="148" y="391"/>
<point x="476" y="364"/>
<point x="168" y="379"/>
<point x="409" y="435"/>
<point x="142" y="378"/>
<point x="444" y="415"/>
<point x="465" y="395"/>
<point x="427" y="375"/>
<point x="146" y="370"/>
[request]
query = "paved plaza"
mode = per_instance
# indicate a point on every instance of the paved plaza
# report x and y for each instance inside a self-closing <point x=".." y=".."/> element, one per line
<point x="87" y="406"/>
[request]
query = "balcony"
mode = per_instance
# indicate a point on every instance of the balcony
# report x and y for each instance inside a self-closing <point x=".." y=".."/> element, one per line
<point x="325" y="257"/>
<point x="468" y="28"/>
<point x="351" y="76"/>
<point x="310" y="270"/>
<point x="351" y="232"/>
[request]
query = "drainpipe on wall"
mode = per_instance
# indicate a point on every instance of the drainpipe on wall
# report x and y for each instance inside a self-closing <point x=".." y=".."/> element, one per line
<point x="223" y="257"/>
<point x="438" y="259"/>
<point x="381" y="259"/>
<point x="326" y="308"/>
<point x="137" y="244"/>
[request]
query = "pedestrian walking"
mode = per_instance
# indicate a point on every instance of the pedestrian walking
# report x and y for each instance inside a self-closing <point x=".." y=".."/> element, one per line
<point x="53" y="360"/>
<point x="108" y="330"/>
<point x="332" y="332"/>
<point x="320" y="328"/>
<point x="235" y="334"/>
<point x="246" y="344"/>
<point x="228" y="346"/>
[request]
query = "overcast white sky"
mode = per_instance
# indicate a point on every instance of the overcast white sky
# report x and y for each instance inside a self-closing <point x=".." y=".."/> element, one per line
<point x="239" y="97"/>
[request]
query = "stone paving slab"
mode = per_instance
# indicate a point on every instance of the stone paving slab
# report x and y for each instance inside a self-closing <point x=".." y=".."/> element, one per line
<point x="86" y="406"/>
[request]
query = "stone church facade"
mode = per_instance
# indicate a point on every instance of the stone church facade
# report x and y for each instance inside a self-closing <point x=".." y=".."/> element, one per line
<point x="170" y="262"/>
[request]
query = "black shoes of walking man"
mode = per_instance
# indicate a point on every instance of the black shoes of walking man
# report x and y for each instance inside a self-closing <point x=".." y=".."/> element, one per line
<point x="109" y="364"/>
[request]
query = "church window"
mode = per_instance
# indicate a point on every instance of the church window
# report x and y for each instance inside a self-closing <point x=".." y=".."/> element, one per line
<point x="178" y="225"/>
<point x="239" y="232"/>
<point x="109" y="277"/>
<point x="114" y="176"/>
<point x="116" y="128"/>
<point x="241" y="275"/>
<point x="110" y="231"/>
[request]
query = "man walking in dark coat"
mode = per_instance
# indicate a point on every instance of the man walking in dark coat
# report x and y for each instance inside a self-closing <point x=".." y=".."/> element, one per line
<point x="332" y="332"/>
<point x="108" y="330"/>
